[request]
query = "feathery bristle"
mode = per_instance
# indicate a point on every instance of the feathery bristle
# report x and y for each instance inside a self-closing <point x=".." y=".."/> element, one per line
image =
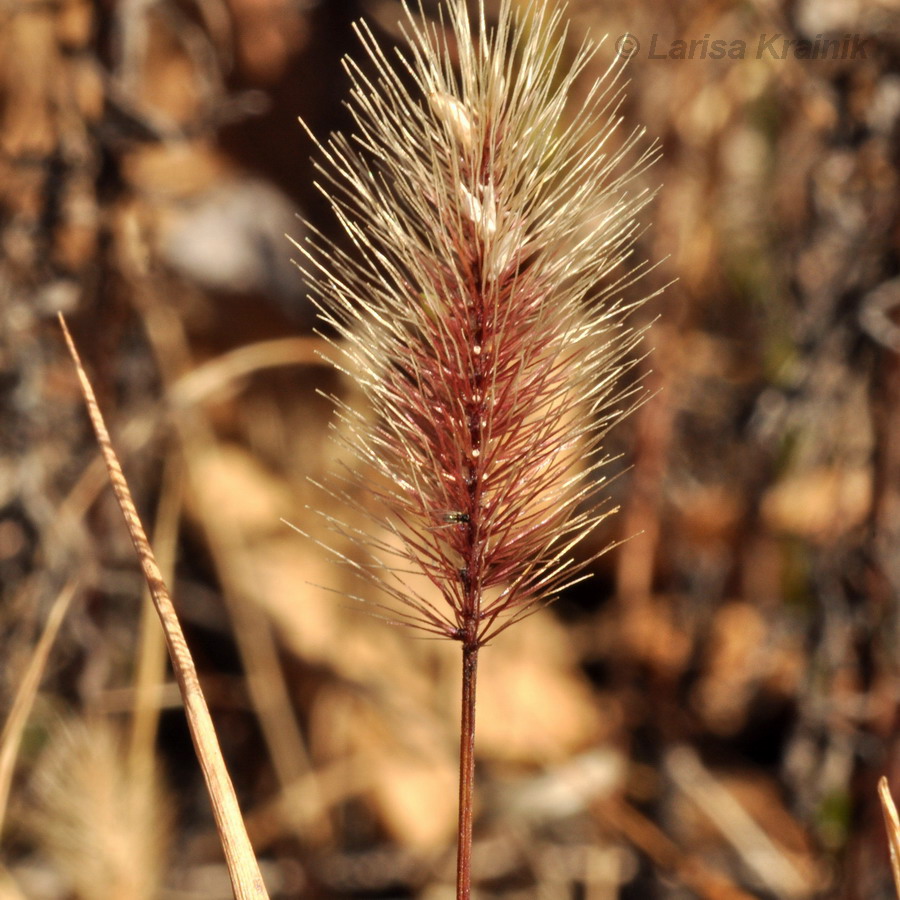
<point x="477" y="313"/>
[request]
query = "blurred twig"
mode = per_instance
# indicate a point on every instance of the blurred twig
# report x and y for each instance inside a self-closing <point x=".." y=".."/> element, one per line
<point x="892" y="826"/>
<point x="28" y="687"/>
<point x="760" y="853"/>
<point x="665" y="853"/>
<point x="190" y="390"/>
<point x="243" y="869"/>
<point x="211" y="376"/>
<point x="266" y="682"/>
<point x="150" y="669"/>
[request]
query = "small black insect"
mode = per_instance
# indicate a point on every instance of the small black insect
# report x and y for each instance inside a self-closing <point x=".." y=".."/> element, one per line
<point x="455" y="518"/>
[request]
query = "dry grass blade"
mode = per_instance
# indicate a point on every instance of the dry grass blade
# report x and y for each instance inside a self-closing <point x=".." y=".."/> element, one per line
<point x="243" y="869"/>
<point x="28" y="687"/>
<point x="892" y="826"/>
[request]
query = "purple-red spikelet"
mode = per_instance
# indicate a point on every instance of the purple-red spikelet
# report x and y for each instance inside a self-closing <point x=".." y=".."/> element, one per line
<point x="478" y="311"/>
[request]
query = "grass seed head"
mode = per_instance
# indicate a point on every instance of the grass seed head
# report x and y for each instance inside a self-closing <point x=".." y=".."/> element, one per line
<point x="476" y="307"/>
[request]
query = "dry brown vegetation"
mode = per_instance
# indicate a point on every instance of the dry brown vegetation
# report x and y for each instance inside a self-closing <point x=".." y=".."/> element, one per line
<point x="708" y="716"/>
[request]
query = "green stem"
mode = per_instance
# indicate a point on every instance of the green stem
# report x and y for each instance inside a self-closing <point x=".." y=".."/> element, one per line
<point x="466" y="772"/>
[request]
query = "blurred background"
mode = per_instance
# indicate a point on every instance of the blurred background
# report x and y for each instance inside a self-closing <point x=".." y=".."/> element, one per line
<point x="707" y="717"/>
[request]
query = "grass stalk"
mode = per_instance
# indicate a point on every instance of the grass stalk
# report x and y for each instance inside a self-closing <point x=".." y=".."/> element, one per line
<point x="246" y="880"/>
<point x="466" y="771"/>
